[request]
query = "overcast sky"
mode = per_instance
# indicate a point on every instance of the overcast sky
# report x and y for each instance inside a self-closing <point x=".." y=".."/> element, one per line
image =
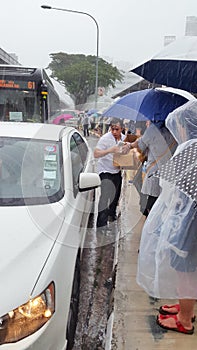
<point x="130" y="30"/>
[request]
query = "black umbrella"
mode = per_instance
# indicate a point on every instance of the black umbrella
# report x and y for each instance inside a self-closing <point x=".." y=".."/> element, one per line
<point x="175" y="65"/>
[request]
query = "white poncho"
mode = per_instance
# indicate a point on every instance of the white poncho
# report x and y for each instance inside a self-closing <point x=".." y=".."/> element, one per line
<point x="167" y="263"/>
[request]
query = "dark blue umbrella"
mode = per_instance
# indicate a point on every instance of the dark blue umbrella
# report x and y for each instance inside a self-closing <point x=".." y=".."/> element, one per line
<point x="175" y="65"/>
<point x="152" y="104"/>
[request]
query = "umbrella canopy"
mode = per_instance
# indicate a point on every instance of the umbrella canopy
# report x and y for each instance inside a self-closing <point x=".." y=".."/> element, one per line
<point x="62" y="116"/>
<point x="175" y="65"/>
<point x="153" y="104"/>
<point x="92" y="111"/>
<point x="96" y="115"/>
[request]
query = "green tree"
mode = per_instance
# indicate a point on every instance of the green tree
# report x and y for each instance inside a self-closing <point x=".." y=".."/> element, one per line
<point x="77" y="73"/>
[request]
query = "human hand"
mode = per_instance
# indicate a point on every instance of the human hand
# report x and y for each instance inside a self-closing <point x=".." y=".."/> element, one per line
<point x="126" y="148"/>
<point x="116" y="149"/>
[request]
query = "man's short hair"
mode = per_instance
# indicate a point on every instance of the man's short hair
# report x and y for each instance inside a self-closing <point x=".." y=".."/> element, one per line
<point x="116" y="121"/>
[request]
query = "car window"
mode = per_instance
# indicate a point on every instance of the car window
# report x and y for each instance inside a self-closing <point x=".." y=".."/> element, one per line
<point x="77" y="163"/>
<point x="30" y="171"/>
<point x="83" y="149"/>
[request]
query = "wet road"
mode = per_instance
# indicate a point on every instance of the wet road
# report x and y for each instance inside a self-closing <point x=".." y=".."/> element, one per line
<point x="97" y="282"/>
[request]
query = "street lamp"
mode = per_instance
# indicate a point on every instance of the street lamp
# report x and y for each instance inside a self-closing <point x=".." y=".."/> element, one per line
<point x="97" y="41"/>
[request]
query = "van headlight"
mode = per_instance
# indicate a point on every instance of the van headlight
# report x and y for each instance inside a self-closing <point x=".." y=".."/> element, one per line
<point x="28" y="318"/>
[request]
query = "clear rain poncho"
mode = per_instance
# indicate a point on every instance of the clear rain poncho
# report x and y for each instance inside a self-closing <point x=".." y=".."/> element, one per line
<point x="167" y="262"/>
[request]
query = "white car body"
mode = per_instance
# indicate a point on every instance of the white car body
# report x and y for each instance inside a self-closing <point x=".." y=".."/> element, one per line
<point x="40" y="242"/>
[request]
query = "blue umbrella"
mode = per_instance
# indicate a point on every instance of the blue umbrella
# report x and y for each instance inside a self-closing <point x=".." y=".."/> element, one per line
<point x="91" y="111"/>
<point x="152" y="104"/>
<point x="175" y="65"/>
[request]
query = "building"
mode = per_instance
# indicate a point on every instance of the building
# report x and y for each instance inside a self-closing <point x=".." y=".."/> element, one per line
<point x="131" y="83"/>
<point x="169" y="39"/>
<point x="191" y="26"/>
<point x="8" y="58"/>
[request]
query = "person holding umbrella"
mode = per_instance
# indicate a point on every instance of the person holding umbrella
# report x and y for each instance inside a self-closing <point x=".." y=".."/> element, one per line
<point x="61" y="121"/>
<point x="167" y="261"/>
<point x="158" y="144"/>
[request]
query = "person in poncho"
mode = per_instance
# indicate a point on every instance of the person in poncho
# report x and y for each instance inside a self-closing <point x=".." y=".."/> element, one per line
<point x="167" y="262"/>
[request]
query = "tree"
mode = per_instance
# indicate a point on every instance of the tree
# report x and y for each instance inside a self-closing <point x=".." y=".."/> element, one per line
<point x="77" y="73"/>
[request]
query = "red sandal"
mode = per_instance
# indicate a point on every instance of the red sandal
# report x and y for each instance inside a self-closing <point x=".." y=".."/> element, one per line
<point x="179" y="327"/>
<point x="164" y="312"/>
<point x="175" y="306"/>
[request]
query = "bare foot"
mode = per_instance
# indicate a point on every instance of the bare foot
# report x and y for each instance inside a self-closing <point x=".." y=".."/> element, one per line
<point x="171" y="309"/>
<point x="172" y="322"/>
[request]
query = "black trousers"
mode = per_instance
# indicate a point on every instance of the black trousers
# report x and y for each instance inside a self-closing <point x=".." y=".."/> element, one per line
<point x="110" y="194"/>
<point x="149" y="201"/>
<point x="86" y="130"/>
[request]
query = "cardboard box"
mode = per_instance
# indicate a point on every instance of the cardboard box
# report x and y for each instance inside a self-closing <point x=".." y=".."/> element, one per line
<point x="127" y="161"/>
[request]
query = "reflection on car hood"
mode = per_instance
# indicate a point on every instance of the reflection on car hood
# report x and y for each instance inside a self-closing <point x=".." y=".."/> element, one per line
<point x="27" y="236"/>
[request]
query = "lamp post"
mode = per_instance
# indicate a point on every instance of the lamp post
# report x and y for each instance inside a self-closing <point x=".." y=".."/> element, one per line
<point x="97" y="41"/>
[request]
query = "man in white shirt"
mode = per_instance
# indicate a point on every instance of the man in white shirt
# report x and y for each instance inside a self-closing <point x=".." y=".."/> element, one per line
<point x="111" y="179"/>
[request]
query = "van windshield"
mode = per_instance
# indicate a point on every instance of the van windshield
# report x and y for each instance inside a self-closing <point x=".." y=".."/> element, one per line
<point x="30" y="171"/>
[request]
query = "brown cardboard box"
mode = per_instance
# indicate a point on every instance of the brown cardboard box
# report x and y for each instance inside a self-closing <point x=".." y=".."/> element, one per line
<point x="127" y="161"/>
<point x="130" y="160"/>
